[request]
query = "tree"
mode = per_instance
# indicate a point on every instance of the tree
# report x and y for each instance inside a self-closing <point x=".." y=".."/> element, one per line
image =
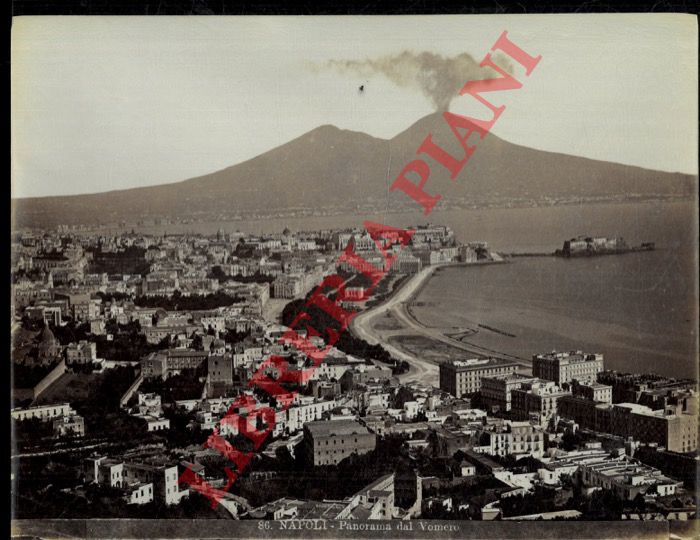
<point x="403" y="394"/>
<point x="231" y="336"/>
<point x="571" y="441"/>
<point x="192" y="302"/>
<point x="72" y="332"/>
<point x="400" y="368"/>
<point x="285" y="461"/>
<point x="33" y="325"/>
<point x="604" y="505"/>
<point x="639" y="503"/>
<point x="31" y="430"/>
<point x="113" y="296"/>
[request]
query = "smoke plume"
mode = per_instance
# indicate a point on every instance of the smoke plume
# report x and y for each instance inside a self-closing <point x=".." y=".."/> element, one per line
<point x="438" y="77"/>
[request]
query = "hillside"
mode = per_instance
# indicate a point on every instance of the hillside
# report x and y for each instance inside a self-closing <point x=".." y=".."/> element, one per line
<point x="339" y="170"/>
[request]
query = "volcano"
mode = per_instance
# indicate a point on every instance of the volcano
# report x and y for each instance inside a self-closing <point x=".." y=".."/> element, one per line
<point x="335" y="170"/>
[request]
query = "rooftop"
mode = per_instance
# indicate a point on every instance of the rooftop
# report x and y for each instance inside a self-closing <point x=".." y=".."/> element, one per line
<point x="325" y="428"/>
<point x="637" y="408"/>
<point x="569" y="357"/>
<point x="304" y="509"/>
<point x="173" y="353"/>
<point x="594" y="385"/>
<point x="510" y="377"/>
<point x="477" y="363"/>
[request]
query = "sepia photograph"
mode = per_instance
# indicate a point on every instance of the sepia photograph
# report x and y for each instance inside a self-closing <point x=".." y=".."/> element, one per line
<point x="418" y="276"/>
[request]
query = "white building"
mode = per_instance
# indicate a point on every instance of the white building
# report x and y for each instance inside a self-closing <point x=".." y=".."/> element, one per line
<point x="43" y="412"/>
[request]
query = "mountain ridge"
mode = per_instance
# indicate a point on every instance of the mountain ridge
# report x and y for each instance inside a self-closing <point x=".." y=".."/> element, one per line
<point x="331" y="168"/>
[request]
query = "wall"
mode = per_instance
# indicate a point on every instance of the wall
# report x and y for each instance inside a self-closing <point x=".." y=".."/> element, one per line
<point x="47" y="381"/>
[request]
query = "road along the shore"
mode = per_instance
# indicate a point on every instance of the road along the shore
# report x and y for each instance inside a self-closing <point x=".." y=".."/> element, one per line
<point x="397" y="304"/>
<point x="362" y="327"/>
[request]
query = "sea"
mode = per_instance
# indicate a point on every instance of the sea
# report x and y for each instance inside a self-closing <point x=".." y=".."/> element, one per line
<point x="639" y="309"/>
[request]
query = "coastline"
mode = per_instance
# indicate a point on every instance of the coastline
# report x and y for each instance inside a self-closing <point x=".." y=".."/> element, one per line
<point x="361" y="327"/>
<point x="397" y="306"/>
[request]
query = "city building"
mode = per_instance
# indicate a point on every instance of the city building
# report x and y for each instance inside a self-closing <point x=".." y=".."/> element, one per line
<point x="162" y="364"/>
<point x="406" y="263"/>
<point x="162" y="475"/>
<point x="324" y="389"/>
<point x="670" y="428"/>
<point x="306" y="409"/>
<point x="329" y="442"/>
<point x="652" y="390"/>
<point x="496" y="391"/>
<point x="588" y="414"/>
<point x="82" y="352"/>
<point x="625" y="476"/>
<point x="45" y="313"/>
<point x="683" y="466"/>
<point x="69" y="426"/>
<point x="138" y="493"/>
<point x="602" y="393"/>
<point x="149" y="408"/>
<point x="48" y="347"/>
<point x="43" y="412"/>
<point x="564" y="367"/>
<point x="104" y="471"/>
<point x="537" y="397"/>
<point x="449" y="440"/>
<point x="633" y="433"/>
<point x="373" y="502"/>
<point x="676" y="431"/>
<point x="519" y="439"/>
<point x="220" y="368"/>
<point x="288" y="286"/>
<point x="463" y="377"/>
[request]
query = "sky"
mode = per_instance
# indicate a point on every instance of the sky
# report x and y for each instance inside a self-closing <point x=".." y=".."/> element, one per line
<point x="105" y="103"/>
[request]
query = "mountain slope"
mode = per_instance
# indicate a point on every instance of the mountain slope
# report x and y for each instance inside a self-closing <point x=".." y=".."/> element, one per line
<point x="333" y="169"/>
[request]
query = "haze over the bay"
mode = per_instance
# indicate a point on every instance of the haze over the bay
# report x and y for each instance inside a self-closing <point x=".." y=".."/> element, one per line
<point x="109" y="103"/>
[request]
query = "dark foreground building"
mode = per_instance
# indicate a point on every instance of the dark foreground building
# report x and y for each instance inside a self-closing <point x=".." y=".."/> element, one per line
<point x="329" y="442"/>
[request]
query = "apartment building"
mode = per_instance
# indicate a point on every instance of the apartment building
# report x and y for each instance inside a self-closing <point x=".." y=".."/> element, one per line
<point x="69" y="426"/>
<point x="625" y="476"/>
<point x="288" y="286"/>
<point x="82" y="352"/>
<point x="519" y="439"/>
<point x="104" y="471"/>
<point x="537" y="397"/>
<point x="163" y="477"/>
<point x="306" y="410"/>
<point x="43" y="412"/>
<point x="162" y="364"/>
<point x="329" y="442"/>
<point x="563" y="367"/>
<point x="463" y="377"/>
<point x="496" y="391"/>
<point x="672" y="429"/>
<point x="220" y="368"/>
<point x="149" y="409"/>
<point x="676" y="431"/>
<point x="406" y="263"/>
<point x="602" y="393"/>
<point x="135" y="476"/>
